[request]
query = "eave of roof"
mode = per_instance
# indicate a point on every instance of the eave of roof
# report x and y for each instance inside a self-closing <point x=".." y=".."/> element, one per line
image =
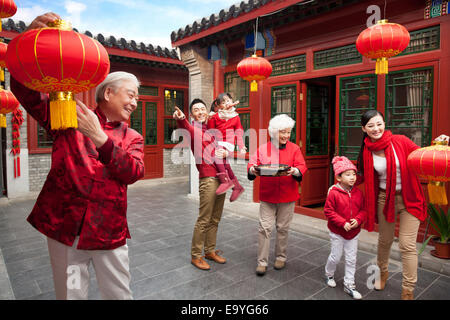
<point x="236" y="14"/>
<point x="114" y="47"/>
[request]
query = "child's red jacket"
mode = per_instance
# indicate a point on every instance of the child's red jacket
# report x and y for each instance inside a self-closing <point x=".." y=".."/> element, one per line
<point x="341" y="206"/>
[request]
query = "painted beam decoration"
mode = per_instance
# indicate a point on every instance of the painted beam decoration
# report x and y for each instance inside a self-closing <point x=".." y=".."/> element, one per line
<point x="61" y="62"/>
<point x="382" y="41"/>
<point x="436" y="8"/>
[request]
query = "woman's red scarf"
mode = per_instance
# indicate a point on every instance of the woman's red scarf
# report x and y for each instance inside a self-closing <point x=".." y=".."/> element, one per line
<point x="384" y="143"/>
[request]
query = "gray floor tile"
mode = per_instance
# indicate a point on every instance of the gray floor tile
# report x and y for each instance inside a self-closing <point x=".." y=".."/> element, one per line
<point x="298" y="289"/>
<point x="249" y="288"/>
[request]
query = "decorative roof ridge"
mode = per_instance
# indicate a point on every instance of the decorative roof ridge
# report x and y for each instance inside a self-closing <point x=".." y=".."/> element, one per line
<point x="215" y="19"/>
<point x="111" y="41"/>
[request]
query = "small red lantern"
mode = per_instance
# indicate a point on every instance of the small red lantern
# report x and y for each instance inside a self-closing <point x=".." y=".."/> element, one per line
<point x="253" y="69"/>
<point x="3" y="48"/>
<point x="7" y="9"/>
<point x="433" y="164"/>
<point x="58" y="61"/>
<point x="382" y="41"/>
<point x="8" y="103"/>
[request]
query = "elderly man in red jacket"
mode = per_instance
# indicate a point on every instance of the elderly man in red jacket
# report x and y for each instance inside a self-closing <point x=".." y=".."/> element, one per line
<point x="279" y="193"/>
<point x="82" y="206"/>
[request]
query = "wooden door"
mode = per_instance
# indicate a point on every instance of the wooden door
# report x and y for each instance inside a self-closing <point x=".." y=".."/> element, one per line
<point x="315" y="141"/>
<point x="145" y="120"/>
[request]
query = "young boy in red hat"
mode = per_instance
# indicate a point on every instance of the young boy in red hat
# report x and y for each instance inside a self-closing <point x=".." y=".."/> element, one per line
<point x="344" y="209"/>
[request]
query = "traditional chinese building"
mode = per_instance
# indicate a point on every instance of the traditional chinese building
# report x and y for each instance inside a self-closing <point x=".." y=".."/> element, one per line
<point x="320" y="79"/>
<point x="164" y="84"/>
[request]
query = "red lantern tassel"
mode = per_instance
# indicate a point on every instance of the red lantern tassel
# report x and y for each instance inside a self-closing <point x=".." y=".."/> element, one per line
<point x="15" y="174"/>
<point x="436" y="193"/>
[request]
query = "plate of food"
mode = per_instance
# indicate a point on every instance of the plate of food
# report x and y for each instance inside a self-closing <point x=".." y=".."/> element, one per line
<point x="273" y="170"/>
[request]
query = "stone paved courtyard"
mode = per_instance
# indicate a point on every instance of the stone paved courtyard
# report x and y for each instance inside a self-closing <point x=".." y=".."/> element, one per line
<point x="161" y="218"/>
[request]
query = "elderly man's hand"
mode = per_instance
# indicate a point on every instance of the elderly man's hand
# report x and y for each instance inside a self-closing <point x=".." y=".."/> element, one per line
<point x="43" y="21"/>
<point x="89" y="125"/>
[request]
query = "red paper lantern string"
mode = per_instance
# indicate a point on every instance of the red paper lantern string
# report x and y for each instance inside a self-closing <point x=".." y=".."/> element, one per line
<point x="16" y="120"/>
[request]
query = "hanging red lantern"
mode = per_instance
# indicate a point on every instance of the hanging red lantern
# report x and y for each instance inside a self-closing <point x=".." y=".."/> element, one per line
<point x="8" y="103"/>
<point x="253" y="69"/>
<point x="58" y="61"/>
<point x="7" y="9"/>
<point x="3" y="48"/>
<point x="382" y="41"/>
<point x="433" y="164"/>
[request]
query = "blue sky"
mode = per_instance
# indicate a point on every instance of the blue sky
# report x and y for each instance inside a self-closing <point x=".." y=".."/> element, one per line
<point x="148" y="21"/>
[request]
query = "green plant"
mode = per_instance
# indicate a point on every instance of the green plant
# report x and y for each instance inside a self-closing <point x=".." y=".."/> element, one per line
<point x="440" y="222"/>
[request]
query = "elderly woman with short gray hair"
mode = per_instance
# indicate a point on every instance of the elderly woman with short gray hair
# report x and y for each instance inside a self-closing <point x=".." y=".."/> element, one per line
<point x="277" y="194"/>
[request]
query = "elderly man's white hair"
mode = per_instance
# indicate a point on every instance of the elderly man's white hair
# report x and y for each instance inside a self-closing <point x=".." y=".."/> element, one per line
<point x="113" y="80"/>
<point x="280" y="122"/>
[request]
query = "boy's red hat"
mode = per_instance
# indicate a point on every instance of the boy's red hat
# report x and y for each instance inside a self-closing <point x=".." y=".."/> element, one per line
<point x="341" y="164"/>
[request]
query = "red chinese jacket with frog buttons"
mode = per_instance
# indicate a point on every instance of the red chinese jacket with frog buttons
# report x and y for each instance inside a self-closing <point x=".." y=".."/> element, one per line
<point x="85" y="192"/>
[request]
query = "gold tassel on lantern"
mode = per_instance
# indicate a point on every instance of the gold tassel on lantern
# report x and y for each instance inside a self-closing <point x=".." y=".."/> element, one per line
<point x="253" y="86"/>
<point x="63" y="110"/>
<point x="437" y="193"/>
<point x="381" y="66"/>
<point x="2" y="121"/>
<point x="436" y="189"/>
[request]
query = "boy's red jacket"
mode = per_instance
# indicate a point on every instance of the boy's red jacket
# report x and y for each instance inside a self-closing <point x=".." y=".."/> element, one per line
<point x="341" y="206"/>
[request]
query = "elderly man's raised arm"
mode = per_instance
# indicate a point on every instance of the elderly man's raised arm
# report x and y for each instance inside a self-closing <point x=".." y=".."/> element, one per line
<point x="34" y="102"/>
<point x="125" y="164"/>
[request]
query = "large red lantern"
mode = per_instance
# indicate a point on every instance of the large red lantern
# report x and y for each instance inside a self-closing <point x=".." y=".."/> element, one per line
<point x="382" y="41"/>
<point x="433" y="164"/>
<point x="253" y="69"/>
<point x="8" y="103"/>
<point x="58" y="61"/>
<point x="7" y="9"/>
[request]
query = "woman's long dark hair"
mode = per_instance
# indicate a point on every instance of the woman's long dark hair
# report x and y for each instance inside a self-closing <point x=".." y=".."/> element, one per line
<point x="369" y="114"/>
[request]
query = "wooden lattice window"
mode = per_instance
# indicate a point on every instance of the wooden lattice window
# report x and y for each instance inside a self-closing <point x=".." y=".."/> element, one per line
<point x="337" y="57"/>
<point x="317" y="121"/>
<point x="283" y="101"/>
<point x="149" y="111"/>
<point x="172" y="98"/>
<point x="423" y="40"/>
<point x="238" y="88"/>
<point x="44" y="140"/>
<point x="148" y="91"/>
<point x="409" y="103"/>
<point x="356" y="95"/>
<point x="289" y="65"/>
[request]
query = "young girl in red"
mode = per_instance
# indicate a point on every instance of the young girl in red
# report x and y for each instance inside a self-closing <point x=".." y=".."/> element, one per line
<point x="227" y="121"/>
